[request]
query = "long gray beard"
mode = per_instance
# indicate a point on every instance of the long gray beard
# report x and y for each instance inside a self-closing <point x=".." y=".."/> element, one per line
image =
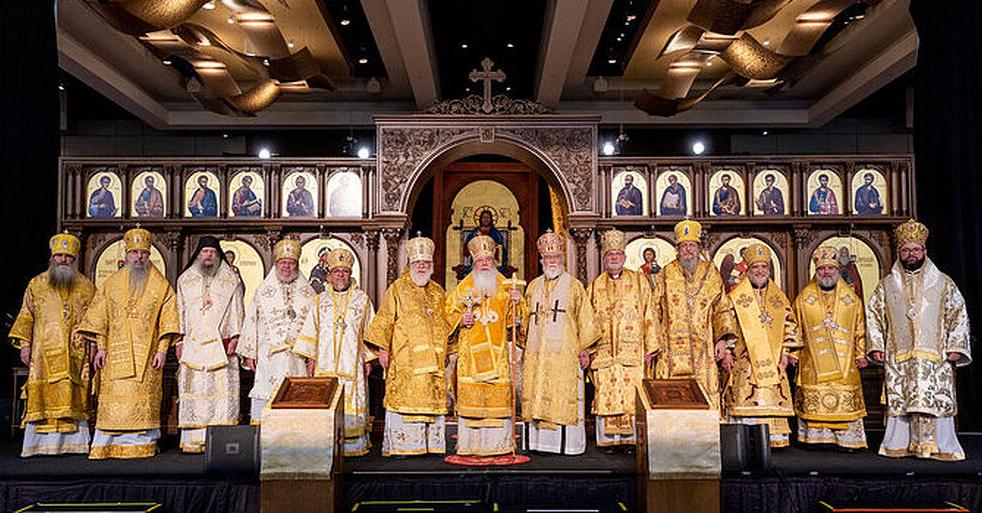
<point x="206" y="270"/>
<point x="689" y="265"/>
<point x="552" y="271"/>
<point x="758" y="283"/>
<point x="138" y="277"/>
<point x="827" y="282"/>
<point x="61" y="275"/>
<point x="486" y="282"/>
<point x="420" y="279"/>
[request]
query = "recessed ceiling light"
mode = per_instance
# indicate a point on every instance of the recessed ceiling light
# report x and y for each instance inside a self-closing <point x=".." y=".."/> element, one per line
<point x="345" y="22"/>
<point x="290" y="44"/>
<point x="619" y="38"/>
<point x="363" y="61"/>
<point x="167" y="62"/>
<point x="61" y="87"/>
<point x="611" y="61"/>
<point x="230" y="20"/>
<point x="510" y="45"/>
<point x="209" y="6"/>
<point x="631" y="17"/>
<point x="508" y="88"/>
<point x="463" y="45"/>
<point x="626" y="23"/>
<point x="264" y="153"/>
<point x="764" y="132"/>
<point x="709" y="64"/>
<point x="859" y="16"/>
<point x="266" y="62"/>
<point x="767" y="42"/>
<point x="224" y="136"/>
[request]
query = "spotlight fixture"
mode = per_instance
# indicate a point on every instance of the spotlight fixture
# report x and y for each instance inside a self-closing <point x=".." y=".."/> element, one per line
<point x="264" y="153"/>
<point x="765" y="132"/>
<point x="61" y="87"/>
<point x="611" y="61"/>
<point x="463" y="45"/>
<point x="345" y="22"/>
<point x="166" y="62"/>
<point x="208" y="6"/>
<point x="363" y="152"/>
<point x="609" y="148"/>
<point x="224" y="136"/>
<point x="510" y="45"/>
<point x="290" y="44"/>
<point x="230" y="20"/>
<point x="698" y="148"/>
<point x="363" y="61"/>
<point x="507" y="88"/>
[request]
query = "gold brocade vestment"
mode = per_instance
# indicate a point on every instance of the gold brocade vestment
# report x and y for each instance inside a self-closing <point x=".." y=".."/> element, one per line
<point x="58" y="379"/>
<point x="624" y="310"/>
<point x="829" y="388"/>
<point x="692" y="314"/>
<point x="483" y="374"/>
<point x="411" y="326"/>
<point x="757" y="385"/>
<point x="560" y="324"/>
<point x="131" y="328"/>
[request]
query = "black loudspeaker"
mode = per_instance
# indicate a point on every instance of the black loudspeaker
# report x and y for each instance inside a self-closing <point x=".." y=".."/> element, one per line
<point x="733" y="443"/>
<point x="745" y="448"/>
<point x="115" y="507"/>
<point x="232" y="450"/>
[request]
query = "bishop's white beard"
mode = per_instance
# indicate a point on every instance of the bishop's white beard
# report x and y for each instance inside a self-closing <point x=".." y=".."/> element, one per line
<point x="288" y="277"/>
<point x="552" y="271"/>
<point x="689" y="264"/>
<point x="420" y="279"/>
<point x="61" y="275"/>
<point x="486" y="282"/>
<point x="758" y="283"/>
<point x="827" y="282"/>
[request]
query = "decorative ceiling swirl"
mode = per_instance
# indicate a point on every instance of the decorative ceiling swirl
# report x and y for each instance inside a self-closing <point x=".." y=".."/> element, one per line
<point x="717" y="31"/>
<point x="265" y="65"/>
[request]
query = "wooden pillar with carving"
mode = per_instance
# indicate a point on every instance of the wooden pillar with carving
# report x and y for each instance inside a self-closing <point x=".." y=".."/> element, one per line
<point x="581" y="236"/>
<point x="392" y="237"/>
<point x="370" y="273"/>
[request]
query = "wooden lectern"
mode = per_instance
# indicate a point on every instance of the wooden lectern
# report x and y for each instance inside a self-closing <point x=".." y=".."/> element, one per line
<point x="678" y="463"/>
<point x="301" y="441"/>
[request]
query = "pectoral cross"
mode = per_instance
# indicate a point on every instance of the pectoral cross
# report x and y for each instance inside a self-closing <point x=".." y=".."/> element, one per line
<point x="469" y="301"/>
<point x="340" y="324"/>
<point x="487" y="76"/>
<point x="556" y="311"/>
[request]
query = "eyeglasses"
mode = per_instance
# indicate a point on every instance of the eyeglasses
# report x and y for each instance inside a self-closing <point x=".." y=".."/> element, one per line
<point x="911" y="251"/>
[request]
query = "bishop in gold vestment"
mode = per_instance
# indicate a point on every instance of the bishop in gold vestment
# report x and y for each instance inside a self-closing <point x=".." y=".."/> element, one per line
<point x="829" y="393"/>
<point x="57" y="385"/>
<point x="209" y="302"/>
<point x="917" y="326"/>
<point x="694" y="315"/>
<point x="273" y="320"/>
<point x="410" y="331"/>
<point x="757" y="389"/>
<point x="560" y="331"/>
<point x="333" y="339"/>
<point x="624" y="309"/>
<point x="133" y="320"/>
<point x="480" y="309"/>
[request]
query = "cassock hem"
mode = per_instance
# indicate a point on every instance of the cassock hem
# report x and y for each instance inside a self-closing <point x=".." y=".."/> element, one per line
<point x="54" y="450"/>
<point x="102" y="452"/>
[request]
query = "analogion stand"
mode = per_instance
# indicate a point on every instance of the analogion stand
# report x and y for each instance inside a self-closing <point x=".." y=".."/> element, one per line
<point x="678" y="462"/>
<point x="301" y="440"/>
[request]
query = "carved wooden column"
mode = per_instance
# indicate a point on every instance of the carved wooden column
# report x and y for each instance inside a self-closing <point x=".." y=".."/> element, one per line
<point x="392" y="237"/>
<point x="581" y="236"/>
<point x="370" y="272"/>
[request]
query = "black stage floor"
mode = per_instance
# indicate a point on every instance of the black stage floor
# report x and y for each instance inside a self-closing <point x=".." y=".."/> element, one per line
<point x="799" y="478"/>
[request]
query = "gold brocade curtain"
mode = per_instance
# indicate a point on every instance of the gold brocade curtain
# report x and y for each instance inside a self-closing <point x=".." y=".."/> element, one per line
<point x="558" y="211"/>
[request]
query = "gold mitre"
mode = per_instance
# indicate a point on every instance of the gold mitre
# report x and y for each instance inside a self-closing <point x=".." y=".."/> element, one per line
<point x="757" y="252"/>
<point x="65" y="244"/>
<point x="420" y="249"/>
<point x="825" y="255"/>
<point x="286" y="248"/>
<point x="550" y="243"/>
<point x="340" y="258"/>
<point x="481" y="246"/>
<point x="911" y="231"/>
<point x="137" y="239"/>
<point x="688" y="231"/>
<point x="612" y="239"/>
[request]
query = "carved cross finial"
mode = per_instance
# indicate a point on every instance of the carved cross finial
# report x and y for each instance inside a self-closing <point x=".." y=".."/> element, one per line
<point x="487" y="76"/>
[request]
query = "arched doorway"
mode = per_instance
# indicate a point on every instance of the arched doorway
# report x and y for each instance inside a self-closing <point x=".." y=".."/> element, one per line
<point x="514" y="200"/>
